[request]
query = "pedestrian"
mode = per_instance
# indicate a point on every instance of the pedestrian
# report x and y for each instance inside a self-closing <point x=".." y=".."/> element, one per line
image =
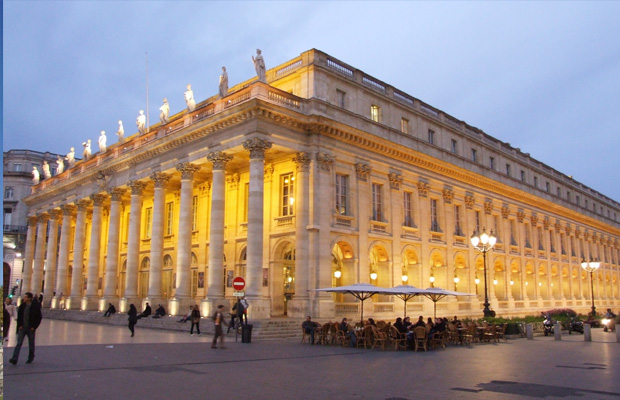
<point x="195" y="321"/>
<point x="133" y="318"/>
<point x="9" y="313"/>
<point x="218" y="319"/>
<point x="246" y="305"/>
<point x="28" y="320"/>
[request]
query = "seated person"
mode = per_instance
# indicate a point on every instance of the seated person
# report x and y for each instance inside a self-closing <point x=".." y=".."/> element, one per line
<point x="429" y="321"/>
<point x="309" y="327"/>
<point x="419" y="323"/>
<point x="111" y="310"/>
<point x="160" y="312"/>
<point x="371" y="322"/>
<point x="407" y="323"/>
<point x="350" y="334"/>
<point x="400" y="325"/>
<point x="147" y="311"/>
<point x="456" y="322"/>
<point x="187" y="316"/>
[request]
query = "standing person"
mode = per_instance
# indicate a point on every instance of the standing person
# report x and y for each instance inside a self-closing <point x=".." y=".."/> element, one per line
<point x="238" y="310"/>
<point x="8" y="314"/>
<point x="246" y="305"/>
<point x="218" y="319"/>
<point x="195" y="321"/>
<point x="28" y="320"/>
<point x="133" y="318"/>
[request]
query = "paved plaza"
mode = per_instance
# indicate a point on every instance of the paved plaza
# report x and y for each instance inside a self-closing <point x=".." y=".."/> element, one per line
<point x="89" y="361"/>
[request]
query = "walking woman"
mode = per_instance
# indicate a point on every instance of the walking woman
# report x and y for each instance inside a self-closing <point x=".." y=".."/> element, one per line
<point x="133" y="317"/>
<point x="195" y="320"/>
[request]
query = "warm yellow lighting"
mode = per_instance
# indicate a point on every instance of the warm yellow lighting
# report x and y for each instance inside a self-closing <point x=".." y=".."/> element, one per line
<point x="405" y="278"/>
<point x="512" y="283"/>
<point x="495" y="281"/>
<point x="432" y="279"/>
<point x="477" y="281"/>
<point x="373" y="276"/>
<point x="539" y="283"/>
<point x="456" y="279"/>
<point x="290" y="279"/>
<point x="337" y="273"/>
<point x="291" y="200"/>
<point x="525" y="283"/>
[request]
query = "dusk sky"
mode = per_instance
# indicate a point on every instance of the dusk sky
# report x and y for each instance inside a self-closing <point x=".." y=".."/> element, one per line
<point x="542" y="76"/>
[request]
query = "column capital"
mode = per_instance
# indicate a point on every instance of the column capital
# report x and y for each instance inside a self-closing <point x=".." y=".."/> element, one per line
<point x="302" y="159"/>
<point x="116" y="194"/>
<point x="362" y="171"/>
<point x="470" y="201"/>
<point x="219" y="159"/>
<point x="43" y="217"/>
<point x="233" y="181"/>
<point x="325" y="161"/>
<point x="424" y="187"/>
<point x="160" y="179"/>
<point x="68" y="209"/>
<point x="82" y="205"/>
<point x="448" y="195"/>
<point x="136" y="187"/>
<point x="520" y="215"/>
<point x="98" y="199"/>
<point x="55" y="214"/>
<point x="187" y="170"/>
<point x="32" y="220"/>
<point x="257" y="147"/>
<point x="395" y="180"/>
<point x="505" y="211"/>
<point x="488" y="207"/>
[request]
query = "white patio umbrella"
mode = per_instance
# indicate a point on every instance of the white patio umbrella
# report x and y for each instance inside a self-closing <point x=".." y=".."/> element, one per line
<point x="405" y="293"/>
<point x="361" y="291"/>
<point x="436" y="294"/>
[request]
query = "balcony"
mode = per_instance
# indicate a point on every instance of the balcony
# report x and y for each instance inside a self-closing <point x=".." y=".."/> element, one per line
<point x="15" y="228"/>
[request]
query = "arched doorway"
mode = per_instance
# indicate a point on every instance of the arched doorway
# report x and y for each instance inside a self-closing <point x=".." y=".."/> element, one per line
<point x="282" y="277"/>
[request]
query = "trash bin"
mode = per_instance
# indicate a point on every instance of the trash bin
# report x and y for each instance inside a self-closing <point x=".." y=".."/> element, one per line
<point x="246" y="333"/>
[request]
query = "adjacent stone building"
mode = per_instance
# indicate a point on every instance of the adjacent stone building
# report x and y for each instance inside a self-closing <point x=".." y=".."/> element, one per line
<point x="323" y="176"/>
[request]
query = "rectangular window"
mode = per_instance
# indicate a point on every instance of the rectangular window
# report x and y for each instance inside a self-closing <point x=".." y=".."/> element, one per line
<point x="508" y="169"/>
<point x="148" y="215"/>
<point x="513" y="235"/>
<point x="8" y="217"/>
<point x="408" y="210"/>
<point x="522" y="176"/>
<point x="17" y="167"/>
<point x="547" y="187"/>
<point x="540" y="240"/>
<point x="457" y="221"/>
<point x="528" y="243"/>
<point x="194" y="213"/>
<point x="477" y="216"/>
<point x="492" y="162"/>
<point x="496" y="228"/>
<point x="342" y="194"/>
<point x="377" y="202"/>
<point x="8" y="192"/>
<point x="434" y="217"/>
<point x="431" y="136"/>
<point x="559" y="192"/>
<point x="572" y="246"/>
<point x="340" y="98"/>
<point x="287" y="194"/>
<point x="551" y="246"/>
<point x="567" y="195"/>
<point x="53" y="171"/>
<point x="577" y="200"/>
<point x="536" y="181"/>
<point x="562" y="246"/>
<point x="474" y="155"/>
<point x="169" y="218"/>
<point x="375" y="112"/>
<point x="246" y="202"/>
<point x="404" y="125"/>
<point x="454" y="146"/>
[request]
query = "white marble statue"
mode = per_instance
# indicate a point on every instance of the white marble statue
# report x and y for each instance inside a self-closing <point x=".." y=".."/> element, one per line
<point x="35" y="175"/>
<point x="189" y="98"/>
<point x="141" y="122"/>
<point x="259" y="66"/>
<point x="87" y="150"/>
<point x="224" y="83"/>
<point x="121" y="132"/>
<point x="71" y="158"/>
<point x="102" y="142"/>
<point x="164" y="111"/>
<point x="46" y="170"/>
<point x="60" y="165"/>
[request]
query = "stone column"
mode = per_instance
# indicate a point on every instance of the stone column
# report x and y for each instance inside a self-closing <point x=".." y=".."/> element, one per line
<point x="50" y="269"/>
<point x="133" y="246"/>
<point x="73" y="302"/>
<point x="323" y="188"/>
<point x="29" y="254"/>
<point x="90" y="301"/>
<point x="216" y="231"/>
<point x="154" y="295"/>
<point x="182" y="299"/>
<point x="299" y="305"/>
<point x="111" y="265"/>
<point x="62" y="287"/>
<point x="260" y="306"/>
<point x="39" y="254"/>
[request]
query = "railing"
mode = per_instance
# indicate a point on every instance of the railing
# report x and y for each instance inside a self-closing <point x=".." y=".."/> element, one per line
<point x="344" y="221"/>
<point x="339" y="68"/>
<point x="373" y="84"/>
<point x="346" y="309"/>
<point x="284" y="221"/>
<point x="289" y="68"/>
<point x="280" y="98"/>
<point x="15" y="228"/>
<point x="382" y="308"/>
<point x="405" y="99"/>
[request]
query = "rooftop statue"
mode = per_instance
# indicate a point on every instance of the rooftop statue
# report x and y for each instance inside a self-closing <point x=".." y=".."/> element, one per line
<point x="259" y="66"/>
<point x="121" y="132"/>
<point x="35" y="175"/>
<point x="141" y="122"/>
<point x="46" y="170"/>
<point x="87" y="151"/>
<point x="164" y="111"/>
<point x="189" y="98"/>
<point x="102" y="142"/>
<point x="71" y="158"/>
<point x="60" y="165"/>
<point x="224" y="83"/>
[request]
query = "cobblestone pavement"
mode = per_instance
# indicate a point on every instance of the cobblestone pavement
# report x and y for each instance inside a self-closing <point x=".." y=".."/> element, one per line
<point x="88" y="361"/>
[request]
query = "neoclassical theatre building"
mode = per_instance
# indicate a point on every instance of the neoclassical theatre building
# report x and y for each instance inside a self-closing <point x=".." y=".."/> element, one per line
<point x="322" y="176"/>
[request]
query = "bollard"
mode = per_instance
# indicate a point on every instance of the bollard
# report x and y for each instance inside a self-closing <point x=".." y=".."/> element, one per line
<point x="587" y="333"/>
<point x="530" y="331"/>
<point x="557" y="332"/>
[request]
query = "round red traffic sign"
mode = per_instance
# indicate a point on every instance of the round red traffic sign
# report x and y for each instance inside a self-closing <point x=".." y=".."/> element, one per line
<point x="238" y="283"/>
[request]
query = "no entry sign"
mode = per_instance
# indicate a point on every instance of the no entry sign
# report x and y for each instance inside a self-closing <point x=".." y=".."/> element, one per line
<point x="238" y="283"/>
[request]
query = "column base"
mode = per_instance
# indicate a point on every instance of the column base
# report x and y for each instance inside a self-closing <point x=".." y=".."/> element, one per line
<point x="123" y="304"/>
<point x="298" y="308"/>
<point x="90" y="303"/>
<point x="180" y="306"/>
<point x="511" y="303"/>
<point x="73" y="303"/>
<point x="259" y="308"/>
<point x="209" y="305"/>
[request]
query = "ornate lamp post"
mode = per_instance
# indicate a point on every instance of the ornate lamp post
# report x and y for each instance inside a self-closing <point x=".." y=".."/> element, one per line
<point x="591" y="266"/>
<point x="484" y="243"/>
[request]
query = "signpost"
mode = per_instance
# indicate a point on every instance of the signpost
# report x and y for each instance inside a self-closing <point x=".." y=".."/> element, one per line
<point x="238" y="284"/>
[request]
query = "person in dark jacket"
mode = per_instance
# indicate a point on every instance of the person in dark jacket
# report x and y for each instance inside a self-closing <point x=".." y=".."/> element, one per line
<point x="160" y="311"/>
<point x="133" y="318"/>
<point x="28" y="320"/>
<point x="147" y="311"/>
<point x="111" y="310"/>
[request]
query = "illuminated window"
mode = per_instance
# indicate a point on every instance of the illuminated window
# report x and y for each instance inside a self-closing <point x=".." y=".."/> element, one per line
<point x="194" y="213"/>
<point x="342" y="193"/>
<point x="404" y="125"/>
<point x="377" y="202"/>
<point x="408" y="210"/>
<point x="457" y="221"/>
<point x="246" y="202"/>
<point x="169" y="218"/>
<point x="434" y="217"/>
<point x="287" y="194"/>
<point x="375" y="113"/>
<point x="148" y="215"/>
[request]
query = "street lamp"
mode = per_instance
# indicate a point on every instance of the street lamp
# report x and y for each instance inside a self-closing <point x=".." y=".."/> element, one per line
<point x="591" y="266"/>
<point x="484" y="243"/>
